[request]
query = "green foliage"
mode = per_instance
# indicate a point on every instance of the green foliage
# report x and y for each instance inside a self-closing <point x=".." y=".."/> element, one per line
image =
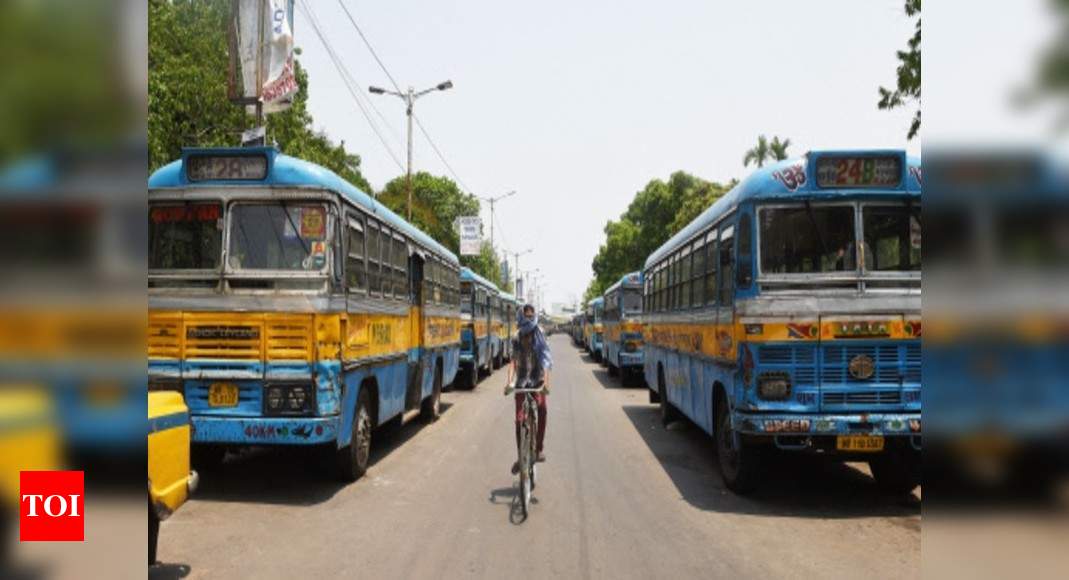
<point x="486" y="264"/>
<point x="655" y="214"/>
<point x="778" y="149"/>
<point x="188" y="104"/>
<point x="908" y="87"/>
<point x="759" y="154"/>
<point x="436" y="203"/>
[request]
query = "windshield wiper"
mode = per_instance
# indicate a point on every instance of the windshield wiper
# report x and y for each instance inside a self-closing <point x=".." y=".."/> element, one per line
<point x="286" y="210"/>
<point x="816" y="228"/>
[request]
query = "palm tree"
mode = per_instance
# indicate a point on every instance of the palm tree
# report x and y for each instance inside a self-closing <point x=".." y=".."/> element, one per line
<point x="758" y="154"/>
<point x="779" y="148"/>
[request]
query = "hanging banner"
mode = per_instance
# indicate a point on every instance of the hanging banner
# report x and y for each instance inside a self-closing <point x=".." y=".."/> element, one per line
<point x="470" y="229"/>
<point x="261" y="53"/>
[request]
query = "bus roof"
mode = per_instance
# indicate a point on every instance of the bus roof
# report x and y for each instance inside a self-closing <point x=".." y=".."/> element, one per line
<point x="598" y="302"/>
<point x="631" y="279"/>
<point x="467" y="275"/>
<point x="508" y="297"/>
<point x="283" y="170"/>
<point x="769" y="183"/>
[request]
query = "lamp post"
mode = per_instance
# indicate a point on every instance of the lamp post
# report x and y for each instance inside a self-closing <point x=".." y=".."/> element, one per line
<point x="410" y="99"/>
<point x="516" y="256"/>
<point x="492" y="201"/>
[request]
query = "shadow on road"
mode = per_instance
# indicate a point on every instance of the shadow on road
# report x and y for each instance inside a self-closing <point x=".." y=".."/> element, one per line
<point x="163" y="571"/>
<point x="511" y="497"/>
<point x="628" y="381"/>
<point x="794" y="485"/>
<point x="293" y="475"/>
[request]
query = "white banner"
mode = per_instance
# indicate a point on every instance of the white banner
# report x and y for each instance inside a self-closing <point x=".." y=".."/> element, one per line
<point x="262" y="52"/>
<point x="470" y="229"/>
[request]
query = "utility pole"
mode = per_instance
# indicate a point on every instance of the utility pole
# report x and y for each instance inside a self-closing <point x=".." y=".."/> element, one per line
<point x="410" y="100"/>
<point x="516" y="256"/>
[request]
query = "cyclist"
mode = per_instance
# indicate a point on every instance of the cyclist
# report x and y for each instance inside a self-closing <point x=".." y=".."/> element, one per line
<point x="530" y="366"/>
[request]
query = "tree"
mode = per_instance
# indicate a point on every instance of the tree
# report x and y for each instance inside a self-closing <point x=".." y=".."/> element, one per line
<point x="436" y="204"/>
<point x="908" y="87"/>
<point x="485" y="264"/>
<point x="778" y="149"/>
<point x="188" y="104"/>
<point x="759" y="154"/>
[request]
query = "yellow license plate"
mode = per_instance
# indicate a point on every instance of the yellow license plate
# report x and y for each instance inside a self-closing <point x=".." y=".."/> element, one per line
<point x="859" y="443"/>
<point x="223" y="395"/>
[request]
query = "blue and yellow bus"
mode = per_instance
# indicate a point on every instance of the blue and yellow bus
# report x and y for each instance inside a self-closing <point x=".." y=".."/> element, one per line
<point x="788" y="315"/>
<point x="623" y="327"/>
<point x="509" y="308"/>
<point x="291" y="308"/>
<point x="596" y="330"/>
<point x="478" y="346"/>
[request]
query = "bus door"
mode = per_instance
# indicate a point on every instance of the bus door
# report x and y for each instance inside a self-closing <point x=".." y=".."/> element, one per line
<point x="415" y="331"/>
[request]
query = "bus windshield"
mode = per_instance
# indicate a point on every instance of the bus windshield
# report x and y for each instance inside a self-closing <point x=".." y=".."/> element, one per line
<point x="892" y="238"/>
<point x="632" y="301"/>
<point x="465" y="297"/>
<point x="185" y="236"/>
<point x="276" y="236"/>
<point x="807" y="239"/>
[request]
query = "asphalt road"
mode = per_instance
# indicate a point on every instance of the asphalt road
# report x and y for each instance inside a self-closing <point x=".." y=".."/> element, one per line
<point x="620" y="497"/>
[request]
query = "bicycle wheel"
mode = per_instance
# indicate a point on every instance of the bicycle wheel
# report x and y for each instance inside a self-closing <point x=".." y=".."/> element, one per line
<point x="525" y="460"/>
<point x="533" y="428"/>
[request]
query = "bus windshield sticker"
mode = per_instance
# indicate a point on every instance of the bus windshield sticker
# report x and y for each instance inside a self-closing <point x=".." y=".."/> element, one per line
<point x="313" y="223"/>
<point x="859" y="171"/>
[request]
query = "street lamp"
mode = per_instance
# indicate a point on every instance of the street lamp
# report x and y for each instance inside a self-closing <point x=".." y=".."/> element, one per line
<point x="410" y="99"/>
<point x="517" y="255"/>
<point x="492" y="201"/>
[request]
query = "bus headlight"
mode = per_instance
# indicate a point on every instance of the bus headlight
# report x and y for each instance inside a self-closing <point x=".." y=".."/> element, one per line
<point x="289" y="399"/>
<point x="774" y="385"/>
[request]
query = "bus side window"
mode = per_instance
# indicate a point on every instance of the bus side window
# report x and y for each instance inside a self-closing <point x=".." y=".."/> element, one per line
<point x="698" y="270"/>
<point x="673" y="282"/>
<point x="744" y="268"/>
<point x="727" y="265"/>
<point x="684" y="280"/>
<point x="711" y="260"/>
<point x="662" y="288"/>
<point x="373" y="254"/>
<point x="355" y="268"/>
<point x="400" y="264"/>
<point x="386" y="266"/>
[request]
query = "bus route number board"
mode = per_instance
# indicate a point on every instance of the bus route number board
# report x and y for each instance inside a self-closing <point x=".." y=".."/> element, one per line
<point x="859" y="172"/>
<point x="226" y="167"/>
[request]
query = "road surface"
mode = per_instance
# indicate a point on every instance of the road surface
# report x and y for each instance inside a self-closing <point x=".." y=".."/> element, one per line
<point x="620" y="497"/>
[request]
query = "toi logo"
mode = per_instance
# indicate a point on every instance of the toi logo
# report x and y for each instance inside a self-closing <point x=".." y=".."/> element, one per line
<point x="51" y="506"/>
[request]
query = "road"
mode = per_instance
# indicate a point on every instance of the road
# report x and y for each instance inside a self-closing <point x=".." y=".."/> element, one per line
<point x="620" y="497"/>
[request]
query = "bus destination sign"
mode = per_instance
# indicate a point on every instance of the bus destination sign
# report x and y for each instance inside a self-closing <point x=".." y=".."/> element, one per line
<point x="859" y="171"/>
<point x="226" y="167"/>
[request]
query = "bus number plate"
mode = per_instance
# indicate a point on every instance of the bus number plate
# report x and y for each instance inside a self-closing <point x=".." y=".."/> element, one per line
<point x="859" y="443"/>
<point x="223" y="395"/>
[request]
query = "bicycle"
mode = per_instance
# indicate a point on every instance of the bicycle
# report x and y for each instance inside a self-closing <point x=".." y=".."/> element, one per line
<point x="528" y="441"/>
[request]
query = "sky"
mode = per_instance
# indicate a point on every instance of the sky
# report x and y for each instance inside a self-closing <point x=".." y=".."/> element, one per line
<point x="578" y="105"/>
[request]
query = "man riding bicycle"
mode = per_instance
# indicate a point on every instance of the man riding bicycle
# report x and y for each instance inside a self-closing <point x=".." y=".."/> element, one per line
<point x="530" y="366"/>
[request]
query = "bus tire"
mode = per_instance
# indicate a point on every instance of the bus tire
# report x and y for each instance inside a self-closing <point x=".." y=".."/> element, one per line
<point x="655" y="397"/>
<point x="431" y="408"/>
<point x="153" y="533"/>
<point x="669" y="414"/>
<point x="352" y="460"/>
<point x="739" y="461"/>
<point x="613" y="370"/>
<point x="897" y="471"/>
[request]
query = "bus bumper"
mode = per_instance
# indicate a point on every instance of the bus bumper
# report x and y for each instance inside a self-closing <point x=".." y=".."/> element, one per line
<point x="631" y="360"/>
<point x="467" y="358"/>
<point x="803" y="429"/>
<point x="265" y="430"/>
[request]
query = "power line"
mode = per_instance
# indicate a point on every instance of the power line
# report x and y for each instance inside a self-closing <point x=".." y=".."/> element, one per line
<point x="367" y="43"/>
<point x="438" y="152"/>
<point x="348" y="80"/>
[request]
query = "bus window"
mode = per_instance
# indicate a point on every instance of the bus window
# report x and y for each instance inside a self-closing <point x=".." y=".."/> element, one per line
<point x="354" y="263"/>
<point x="727" y="264"/>
<point x="630" y="302"/>
<point x="278" y="236"/>
<point x="807" y="239"/>
<point x="373" y="254"/>
<point x="181" y="237"/>
<point x="684" y="280"/>
<point x="400" y="265"/>
<point x="673" y="283"/>
<point x="892" y="238"/>
<point x="698" y="271"/>
<point x="744" y="268"/>
<point x="465" y="297"/>
<point x="711" y="260"/>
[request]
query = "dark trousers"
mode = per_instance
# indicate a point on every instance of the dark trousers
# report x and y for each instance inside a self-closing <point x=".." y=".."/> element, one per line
<point x="540" y="400"/>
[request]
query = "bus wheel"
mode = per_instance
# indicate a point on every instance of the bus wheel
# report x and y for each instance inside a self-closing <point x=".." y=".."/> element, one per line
<point x="613" y="370"/>
<point x="432" y="405"/>
<point x="153" y="533"/>
<point x="897" y="471"/>
<point x="668" y="412"/>
<point x="739" y="461"/>
<point x="352" y="459"/>
<point x="655" y="397"/>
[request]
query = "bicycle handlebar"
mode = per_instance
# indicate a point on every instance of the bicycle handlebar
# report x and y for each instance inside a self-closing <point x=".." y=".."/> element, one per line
<point x="521" y="391"/>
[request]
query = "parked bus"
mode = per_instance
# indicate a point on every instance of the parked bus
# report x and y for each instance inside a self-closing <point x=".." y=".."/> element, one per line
<point x="596" y="344"/>
<point x="477" y="349"/>
<point x="788" y="314"/>
<point x="587" y="330"/>
<point x="291" y="308"/>
<point x="498" y="331"/>
<point x="623" y="328"/>
<point x="510" y="307"/>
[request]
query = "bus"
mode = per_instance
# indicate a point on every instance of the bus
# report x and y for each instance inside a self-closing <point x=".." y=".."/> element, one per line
<point x="788" y="315"/>
<point x="587" y="330"/>
<point x="596" y="334"/>
<point x="510" y="306"/>
<point x="477" y="349"/>
<point x="623" y="327"/>
<point x="291" y="308"/>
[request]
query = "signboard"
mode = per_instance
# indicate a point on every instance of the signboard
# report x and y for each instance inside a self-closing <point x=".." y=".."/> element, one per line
<point x="859" y="171"/>
<point x="261" y="53"/>
<point x="226" y="167"/>
<point x="470" y="229"/>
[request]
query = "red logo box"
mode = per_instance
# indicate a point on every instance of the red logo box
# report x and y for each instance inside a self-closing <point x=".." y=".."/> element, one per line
<point x="51" y="506"/>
